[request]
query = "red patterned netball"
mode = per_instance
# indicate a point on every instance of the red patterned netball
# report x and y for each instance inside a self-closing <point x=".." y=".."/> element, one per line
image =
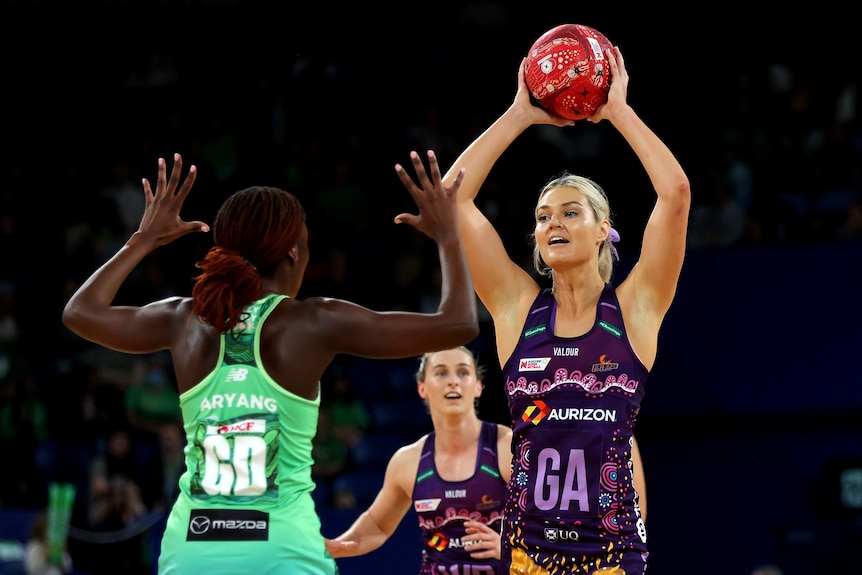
<point x="567" y="72"/>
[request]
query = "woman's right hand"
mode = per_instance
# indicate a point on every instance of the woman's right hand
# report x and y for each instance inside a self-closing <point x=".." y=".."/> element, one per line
<point x="534" y="113"/>
<point x="339" y="549"/>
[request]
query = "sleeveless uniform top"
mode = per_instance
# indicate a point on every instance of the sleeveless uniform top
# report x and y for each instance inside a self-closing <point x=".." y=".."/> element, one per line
<point x="443" y="506"/>
<point x="245" y="502"/>
<point x="571" y="505"/>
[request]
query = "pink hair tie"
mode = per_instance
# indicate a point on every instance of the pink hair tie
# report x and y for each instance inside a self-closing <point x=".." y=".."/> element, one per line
<point x="614" y="236"/>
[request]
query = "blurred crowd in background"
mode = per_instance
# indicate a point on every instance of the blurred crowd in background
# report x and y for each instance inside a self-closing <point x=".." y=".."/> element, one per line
<point x="773" y="145"/>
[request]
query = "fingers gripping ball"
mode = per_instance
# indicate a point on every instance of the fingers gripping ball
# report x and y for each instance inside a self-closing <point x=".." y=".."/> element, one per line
<point x="567" y="72"/>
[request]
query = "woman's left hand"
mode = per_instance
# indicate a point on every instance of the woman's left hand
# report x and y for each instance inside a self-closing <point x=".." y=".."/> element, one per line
<point x="161" y="222"/>
<point x="619" y="87"/>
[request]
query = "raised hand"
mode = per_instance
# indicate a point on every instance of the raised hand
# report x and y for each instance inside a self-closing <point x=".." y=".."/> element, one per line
<point x="438" y="216"/>
<point x="535" y="113"/>
<point x="618" y="89"/>
<point x="161" y="222"/>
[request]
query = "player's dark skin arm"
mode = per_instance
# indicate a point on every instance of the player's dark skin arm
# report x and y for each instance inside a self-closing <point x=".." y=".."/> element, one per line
<point x="301" y="336"/>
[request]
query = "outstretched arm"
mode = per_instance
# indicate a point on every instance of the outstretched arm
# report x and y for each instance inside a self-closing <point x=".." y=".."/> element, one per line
<point x="377" y="523"/>
<point x="132" y="329"/>
<point x="438" y="218"/>
<point x="502" y="285"/>
<point x="350" y="328"/>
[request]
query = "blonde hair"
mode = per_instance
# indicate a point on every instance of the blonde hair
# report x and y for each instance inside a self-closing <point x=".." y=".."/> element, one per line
<point x="601" y="209"/>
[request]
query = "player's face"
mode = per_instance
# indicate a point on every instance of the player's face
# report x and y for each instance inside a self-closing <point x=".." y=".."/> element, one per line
<point x="566" y="229"/>
<point x="451" y="383"/>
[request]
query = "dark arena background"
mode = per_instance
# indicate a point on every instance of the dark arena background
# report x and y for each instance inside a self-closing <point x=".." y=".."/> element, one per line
<point x="751" y="430"/>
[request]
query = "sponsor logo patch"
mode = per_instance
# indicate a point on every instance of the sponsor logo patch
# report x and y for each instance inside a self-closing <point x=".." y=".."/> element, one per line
<point x="228" y="525"/>
<point x="611" y="329"/>
<point x="605" y="364"/>
<point x="534" y="331"/>
<point x="536" y="412"/>
<point x="553" y="534"/>
<point x="426" y="505"/>
<point x="533" y="363"/>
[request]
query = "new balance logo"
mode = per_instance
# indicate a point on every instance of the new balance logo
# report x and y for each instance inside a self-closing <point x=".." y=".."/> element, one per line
<point x="236" y="374"/>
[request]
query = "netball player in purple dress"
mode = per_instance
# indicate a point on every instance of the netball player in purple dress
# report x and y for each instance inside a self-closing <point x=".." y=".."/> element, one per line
<point x="575" y="357"/>
<point x="454" y="477"/>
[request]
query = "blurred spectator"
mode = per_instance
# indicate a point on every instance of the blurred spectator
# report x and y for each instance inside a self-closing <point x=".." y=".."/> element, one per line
<point x="12" y="360"/>
<point x="23" y="428"/>
<point x="836" y="159"/>
<point x="429" y="296"/>
<point x="116" y="501"/>
<point x="344" y="498"/>
<point x="156" y="69"/>
<point x="219" y="151"/>
<point x="344" y="207"/>
<point x="739" y="178"/>
<point x="150" y="282"/>
<point x="124" y="197"/>
<point x="103" y="404"/>
<point x="329" y="451"/>
<point x="409" y="272"/>
<point x="791" y="178"/>
<point x="307" y="164"/>
<point x="151" y="400"/>
<point x="37" y="551"/>
<point x="99" y="378"/>
<point x="718" y="221"/>
<point x="850" y="227"/>
<point x="742" y="130"/>
<point x="115" y="496"/>
<point x="431" y="133"/>
<point x="154" y="417"/>
<point x="14" y="231"/>
<point x="349" y="416"/>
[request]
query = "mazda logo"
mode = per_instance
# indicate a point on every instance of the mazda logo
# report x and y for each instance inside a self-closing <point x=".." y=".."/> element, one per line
<point x="199" y="525"/>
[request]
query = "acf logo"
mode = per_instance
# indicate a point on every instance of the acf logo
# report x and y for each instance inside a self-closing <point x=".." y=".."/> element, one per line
<point x="536" y="412"/>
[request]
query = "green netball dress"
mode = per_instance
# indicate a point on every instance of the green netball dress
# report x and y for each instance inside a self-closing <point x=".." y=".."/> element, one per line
<point x="245" y="501"/>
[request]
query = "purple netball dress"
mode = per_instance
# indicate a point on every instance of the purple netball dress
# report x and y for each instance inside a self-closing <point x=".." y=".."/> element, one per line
<point x="571" y="507"/>
<point x="443" y="506"/>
